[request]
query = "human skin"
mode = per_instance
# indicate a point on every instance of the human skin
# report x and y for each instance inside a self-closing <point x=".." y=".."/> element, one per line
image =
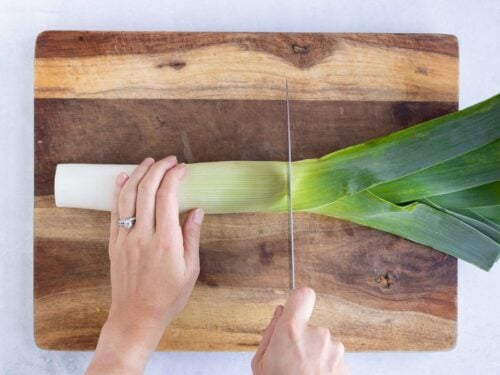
<point x="290" y="345"/>
<point x="154" y="267"/>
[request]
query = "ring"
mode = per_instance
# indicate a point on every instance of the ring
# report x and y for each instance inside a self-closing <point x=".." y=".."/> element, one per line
<point x="127" y="222"/>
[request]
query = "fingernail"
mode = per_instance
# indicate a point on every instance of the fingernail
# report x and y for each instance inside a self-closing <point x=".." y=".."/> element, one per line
<point x="173" y="157"/>
<point x="198" y="216"/>
<point x="120" y="178"/>
<point x="148" y="161"/>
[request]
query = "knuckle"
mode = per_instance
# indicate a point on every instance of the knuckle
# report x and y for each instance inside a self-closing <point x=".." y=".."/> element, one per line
<point x="322" y="335"/>
<point x="141" y="242"/>
<point x="190" y="239"/>
<point x="164" y="239"/>
<point x="167" y="183"/>
<point x="195" y="269"/>
<point x="172" y="174"/>
<point x="166" y="245"/>
<point x="165" y="193"/>
<point x="127" y="194"/>
<point x="325" y="332"/>
<point x="146" y="185"/>
<point x="154" y="169"/>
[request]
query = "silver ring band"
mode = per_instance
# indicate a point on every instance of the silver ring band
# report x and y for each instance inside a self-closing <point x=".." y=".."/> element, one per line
<point x="127" y="222"/>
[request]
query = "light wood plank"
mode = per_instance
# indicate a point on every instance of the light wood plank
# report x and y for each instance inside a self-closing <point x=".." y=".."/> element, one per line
<point x="355" y="71"/>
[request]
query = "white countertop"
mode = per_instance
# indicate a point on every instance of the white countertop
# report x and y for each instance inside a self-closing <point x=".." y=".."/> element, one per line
<point x="477" y="25"/>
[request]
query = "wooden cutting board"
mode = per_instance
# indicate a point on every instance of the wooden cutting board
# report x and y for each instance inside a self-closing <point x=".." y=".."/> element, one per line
<point x="107" y="97"/>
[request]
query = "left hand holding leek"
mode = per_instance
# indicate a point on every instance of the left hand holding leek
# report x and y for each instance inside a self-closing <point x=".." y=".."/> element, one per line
<point x="154" y="265"/>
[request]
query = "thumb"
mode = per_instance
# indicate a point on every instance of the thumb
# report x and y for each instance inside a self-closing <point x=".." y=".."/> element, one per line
<point x="191" y="234"/>
<point x="300" y="305"/>
<point x="266" y="337"/>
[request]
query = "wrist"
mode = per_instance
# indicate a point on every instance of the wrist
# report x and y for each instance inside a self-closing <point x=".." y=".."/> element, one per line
<point x="123" y="348"/>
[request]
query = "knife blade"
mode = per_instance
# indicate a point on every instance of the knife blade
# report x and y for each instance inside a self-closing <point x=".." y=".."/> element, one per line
<point x="290" y="196"/>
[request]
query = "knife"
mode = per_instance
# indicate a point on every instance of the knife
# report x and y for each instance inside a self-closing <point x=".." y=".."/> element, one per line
<point x="290" y="196"/>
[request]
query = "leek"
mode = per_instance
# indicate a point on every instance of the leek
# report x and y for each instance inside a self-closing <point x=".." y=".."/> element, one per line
<point x="436" y="183"/>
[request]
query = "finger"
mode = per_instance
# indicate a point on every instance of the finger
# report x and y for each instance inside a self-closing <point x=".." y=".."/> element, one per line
<point x="268" y="333"/>
<point x="167" y="205"/>
<point x="191" y="233"/>
<point x="300" y="305"/>
<point x="339" y="348"/>
<point x="338" y="351"/>
<point x="146" y="192"/>
<point x="321" y="333"/>
<point x="119" y="181"/>
<point x="128" y="194"/>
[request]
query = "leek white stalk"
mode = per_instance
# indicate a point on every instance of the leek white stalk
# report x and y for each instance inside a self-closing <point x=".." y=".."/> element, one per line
<point x="218" y="187"/>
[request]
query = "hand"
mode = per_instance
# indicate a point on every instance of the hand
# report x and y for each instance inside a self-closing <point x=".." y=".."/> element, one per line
<point x="290" y="346"/>
<point x="154" y="265"/>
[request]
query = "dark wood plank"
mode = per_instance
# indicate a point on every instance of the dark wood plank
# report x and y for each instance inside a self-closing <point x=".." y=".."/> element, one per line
<point x="65" y="262"/>
<point x="373" y="269"/>
<point x="114" y="130"/>
<point x="302" y="49"/>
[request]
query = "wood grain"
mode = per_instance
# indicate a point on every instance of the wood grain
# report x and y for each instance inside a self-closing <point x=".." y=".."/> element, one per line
<point x="304" y="49"/>
<point x="119" y="97"/>
<point x="249" y="66"/>
<point x="238" y="280"/>
<point x="319" y="127"/>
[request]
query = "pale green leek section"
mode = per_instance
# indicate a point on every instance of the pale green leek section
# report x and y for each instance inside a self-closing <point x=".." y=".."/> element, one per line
<point x="235" y="186"/>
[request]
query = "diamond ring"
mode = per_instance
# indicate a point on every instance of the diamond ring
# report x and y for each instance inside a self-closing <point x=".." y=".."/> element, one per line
<point x="127" y="222"/>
